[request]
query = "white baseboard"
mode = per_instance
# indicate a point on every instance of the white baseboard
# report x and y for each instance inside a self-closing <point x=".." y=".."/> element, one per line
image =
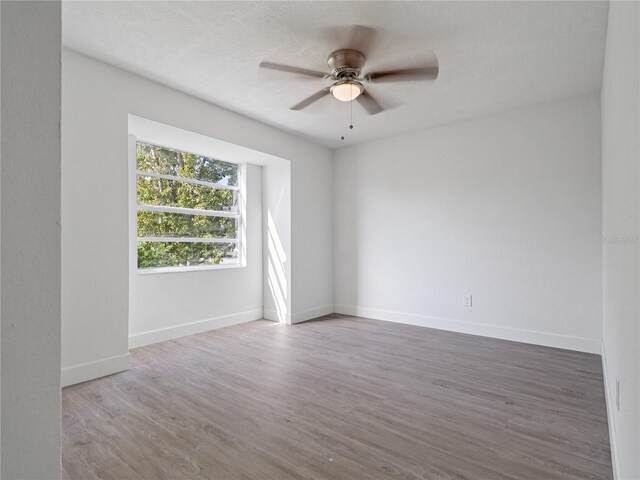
<point x="299" y="317"/>
<point x="191" y="328"/>
<point x="96" y="369"/>
<point x="272" y="315"/>
<point x="311" y="314"/>
<point x="494" y="331"/>
<point x="610" y="400"/>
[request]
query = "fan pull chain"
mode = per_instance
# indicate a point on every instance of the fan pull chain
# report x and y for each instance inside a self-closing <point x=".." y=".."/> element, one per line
<point x="342" y="116"/>
<point x="351" y="117"/>
<point x="342" y="113"/>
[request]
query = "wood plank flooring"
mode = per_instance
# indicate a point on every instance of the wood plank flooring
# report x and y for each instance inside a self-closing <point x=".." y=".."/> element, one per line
<point x="340" y="398"/>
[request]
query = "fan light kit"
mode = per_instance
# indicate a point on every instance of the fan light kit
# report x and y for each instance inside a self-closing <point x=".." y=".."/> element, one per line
<point x="346" y="90"/>
<point x="346" y="68"/>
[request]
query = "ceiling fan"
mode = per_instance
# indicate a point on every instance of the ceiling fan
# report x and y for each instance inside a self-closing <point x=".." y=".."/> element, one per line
<point x="346" y="66"/>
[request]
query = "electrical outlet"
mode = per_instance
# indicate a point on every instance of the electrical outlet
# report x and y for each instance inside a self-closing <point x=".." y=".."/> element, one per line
<point x="617" y="394"/>
<point x="466" y="301"/>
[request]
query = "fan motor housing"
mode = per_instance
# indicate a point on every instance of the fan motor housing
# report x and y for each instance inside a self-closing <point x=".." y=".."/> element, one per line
<point x="346" y="63"/>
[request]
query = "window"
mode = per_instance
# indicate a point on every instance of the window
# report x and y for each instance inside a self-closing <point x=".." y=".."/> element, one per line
<point x="188" y="211"/>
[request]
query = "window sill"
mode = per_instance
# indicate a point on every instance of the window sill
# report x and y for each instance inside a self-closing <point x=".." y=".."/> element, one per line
<point x="153" y="271"/>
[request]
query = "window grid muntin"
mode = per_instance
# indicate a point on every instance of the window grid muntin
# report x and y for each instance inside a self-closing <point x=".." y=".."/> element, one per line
<point x="231" y="213"/>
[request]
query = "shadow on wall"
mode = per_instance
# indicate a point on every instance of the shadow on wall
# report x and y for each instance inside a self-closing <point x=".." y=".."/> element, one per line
<point x="276" y="276"/>
<point x="276" y="228"/>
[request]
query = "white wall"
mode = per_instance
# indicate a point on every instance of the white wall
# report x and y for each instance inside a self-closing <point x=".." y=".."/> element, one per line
<point x="30" y="243"/>
<point x="0" y="249"/>
<point x="621" y="232"/>
<point x="506" y="208"/>
<point x="276" y="225"/>
<point x="168" y="305"/>
<point x="311" y="232"/>
<point x="96" y="101"/>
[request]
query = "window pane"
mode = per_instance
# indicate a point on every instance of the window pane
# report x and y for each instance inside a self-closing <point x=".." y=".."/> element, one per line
<point x="175" y="254"/>
<point x="160" y="224"/>
<point x="173" y="193"/>
<point x="151" y="158"/>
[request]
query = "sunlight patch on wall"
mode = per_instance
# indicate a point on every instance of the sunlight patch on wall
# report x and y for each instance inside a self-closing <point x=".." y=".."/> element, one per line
<point x="276" y="276"/>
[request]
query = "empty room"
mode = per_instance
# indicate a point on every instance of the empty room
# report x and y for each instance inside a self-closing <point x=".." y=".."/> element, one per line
<point x="320" y="240"/>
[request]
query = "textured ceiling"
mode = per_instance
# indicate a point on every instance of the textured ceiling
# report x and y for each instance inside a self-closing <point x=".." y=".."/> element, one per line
<point x="493" y="55"/>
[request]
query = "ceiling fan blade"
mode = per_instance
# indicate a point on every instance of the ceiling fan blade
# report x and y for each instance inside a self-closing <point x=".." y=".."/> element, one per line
<point x="360" y="37"/>
<point x="369" y="103"/>
<point x="287" y="68"/>
<point x="357" y="37"/>
<point x="403" y="75"/>
<point x="313" y="98"/>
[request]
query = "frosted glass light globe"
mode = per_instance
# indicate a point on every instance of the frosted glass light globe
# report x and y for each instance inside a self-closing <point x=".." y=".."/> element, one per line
<point x="347" y="90"/>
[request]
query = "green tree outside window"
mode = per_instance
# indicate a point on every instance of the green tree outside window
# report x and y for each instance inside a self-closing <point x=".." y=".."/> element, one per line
<point x="166" y="192"/>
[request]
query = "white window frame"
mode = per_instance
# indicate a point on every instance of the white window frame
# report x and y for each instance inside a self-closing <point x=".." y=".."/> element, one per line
<point x="237" y="213"/>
